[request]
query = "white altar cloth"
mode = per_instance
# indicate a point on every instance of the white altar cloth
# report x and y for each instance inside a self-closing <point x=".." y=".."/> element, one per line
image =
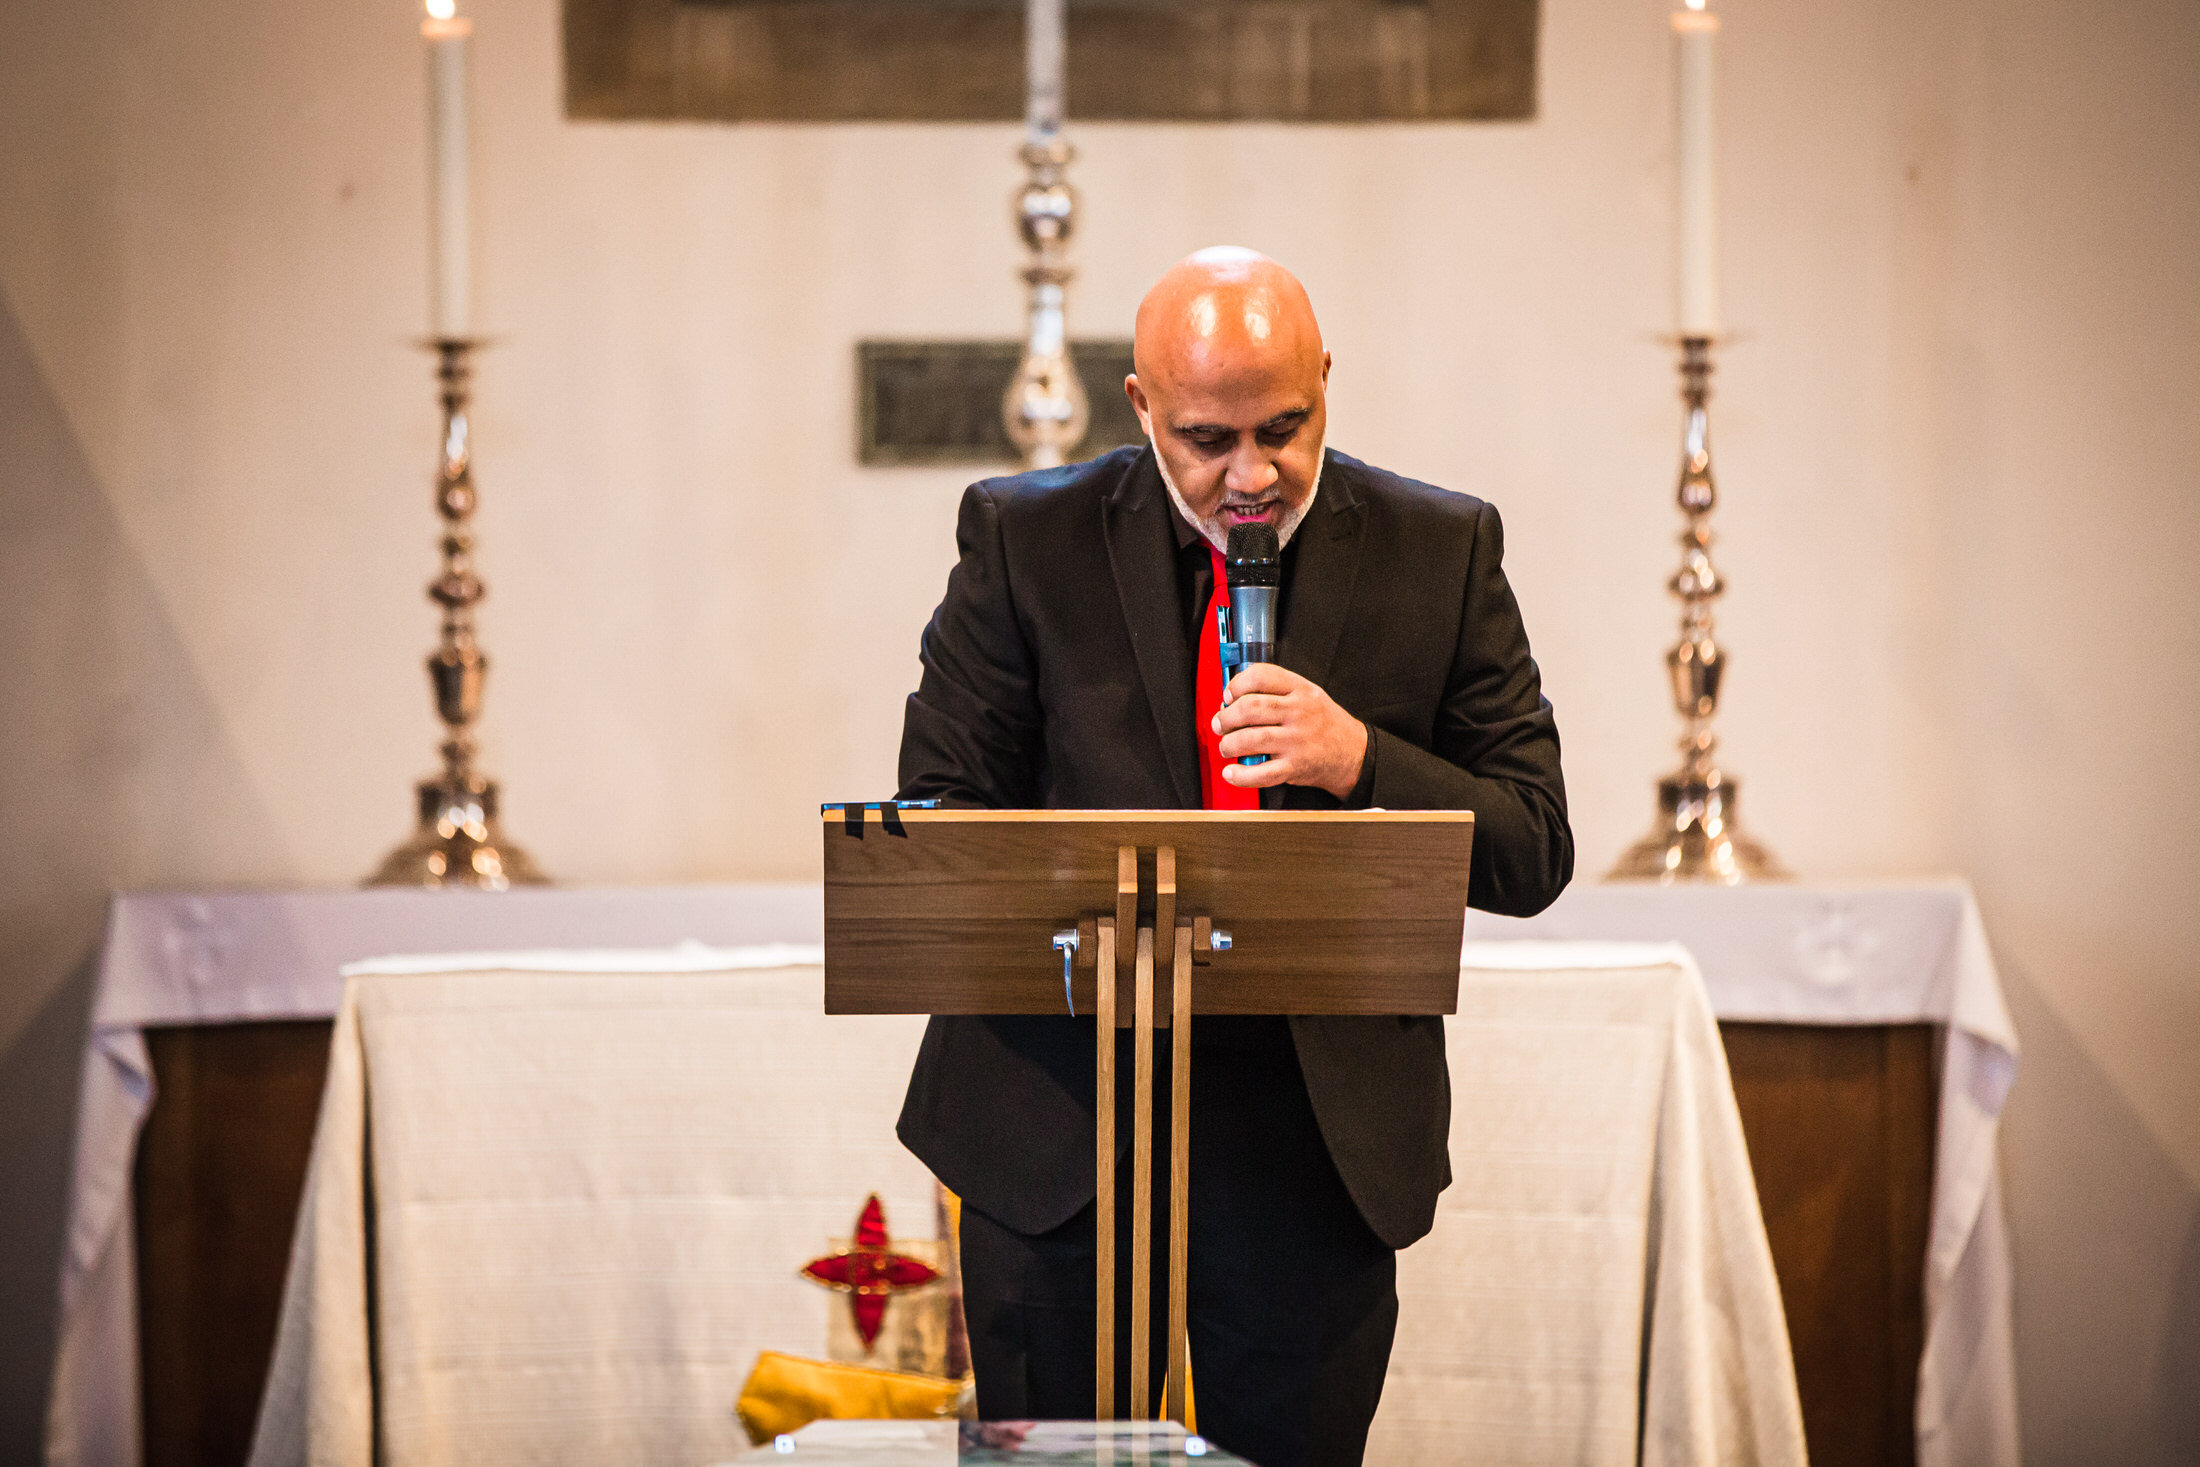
<point x="1871" y="954"/>
<point x="1597" y="1288"/>
<point x="564" y="1230"/>
<point x="576" y="1210"/>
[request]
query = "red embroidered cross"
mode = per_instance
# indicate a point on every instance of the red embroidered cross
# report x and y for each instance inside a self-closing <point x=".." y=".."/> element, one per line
<point x="871" y="1272"/>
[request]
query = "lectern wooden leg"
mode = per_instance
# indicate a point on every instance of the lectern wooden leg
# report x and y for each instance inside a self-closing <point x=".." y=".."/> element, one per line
<point x="1180" y="1174"/>
<point x="1142" y="1183"/>
<point x="1103" y="1125"/>
<point x="1126" y="906"/>
<point x="1174" y="961"/>
<point x="1164" y="925"/>
<point x="1170" y="970"/>
<point x="1113" y="945"/>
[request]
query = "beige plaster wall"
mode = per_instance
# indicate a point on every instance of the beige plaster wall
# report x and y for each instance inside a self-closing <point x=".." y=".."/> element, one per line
<point x="2058" y="294"/>
<point x="1955" y="442"/>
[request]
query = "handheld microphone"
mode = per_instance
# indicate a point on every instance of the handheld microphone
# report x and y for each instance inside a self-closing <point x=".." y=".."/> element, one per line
<point x="1253" y="571"/>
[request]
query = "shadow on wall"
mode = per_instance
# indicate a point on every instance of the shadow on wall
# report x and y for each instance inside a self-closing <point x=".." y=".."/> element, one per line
<point x="2179" y="1383"/>
<point x="116" y="773"/>
<point x="2107" y="1237"/>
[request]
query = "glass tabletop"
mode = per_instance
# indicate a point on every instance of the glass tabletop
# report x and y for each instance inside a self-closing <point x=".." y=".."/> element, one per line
<point x="986" y="1443"/>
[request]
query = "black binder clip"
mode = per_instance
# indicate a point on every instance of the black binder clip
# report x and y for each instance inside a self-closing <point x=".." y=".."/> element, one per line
<point x="889" y="814"/>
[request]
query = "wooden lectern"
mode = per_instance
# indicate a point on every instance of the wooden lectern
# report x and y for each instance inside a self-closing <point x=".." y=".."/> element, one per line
<point x="931" y="911"/>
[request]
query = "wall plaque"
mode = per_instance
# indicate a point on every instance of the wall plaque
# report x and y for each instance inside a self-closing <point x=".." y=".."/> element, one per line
<point x="1129" y="60"/>
<point x="939" y="402"/>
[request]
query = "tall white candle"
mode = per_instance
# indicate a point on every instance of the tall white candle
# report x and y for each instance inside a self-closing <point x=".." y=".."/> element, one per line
<point x="1043" y="47"/>
<point x="450" y="222"/>
<point x="1696" y="239"/>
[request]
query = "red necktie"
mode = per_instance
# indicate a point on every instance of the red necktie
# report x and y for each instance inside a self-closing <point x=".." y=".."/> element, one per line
<point x="1215" y="792"/>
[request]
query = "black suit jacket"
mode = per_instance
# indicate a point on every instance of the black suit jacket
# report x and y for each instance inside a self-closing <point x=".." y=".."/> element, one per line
<point x="1056" y="675"/>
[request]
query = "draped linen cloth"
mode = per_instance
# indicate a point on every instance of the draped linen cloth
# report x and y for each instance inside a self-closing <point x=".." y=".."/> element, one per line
<point x="554" y="1216"/>
<point x="1598" y="1288"/>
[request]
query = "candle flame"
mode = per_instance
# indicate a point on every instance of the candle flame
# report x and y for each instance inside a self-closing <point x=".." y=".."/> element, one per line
<point x="445" y="9"/>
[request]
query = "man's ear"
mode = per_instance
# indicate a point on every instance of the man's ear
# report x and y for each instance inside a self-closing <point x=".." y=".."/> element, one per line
<point x="1137" y="395"/>
<point x="1325" y="369"/>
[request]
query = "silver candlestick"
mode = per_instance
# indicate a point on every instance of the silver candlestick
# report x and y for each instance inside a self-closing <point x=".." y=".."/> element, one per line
<point x="1045" y="409"/>
<point x="457" y="843"/>
<point x="1696" y="837"/>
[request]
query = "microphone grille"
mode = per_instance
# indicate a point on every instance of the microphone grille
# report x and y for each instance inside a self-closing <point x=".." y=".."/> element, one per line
<point x="1253" y="542"/>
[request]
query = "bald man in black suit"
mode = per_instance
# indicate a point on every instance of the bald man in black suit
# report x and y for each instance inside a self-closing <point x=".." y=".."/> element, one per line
<point x="1068" y="668"/>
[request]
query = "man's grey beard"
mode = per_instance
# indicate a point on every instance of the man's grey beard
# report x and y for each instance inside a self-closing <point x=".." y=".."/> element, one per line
<point x="1213" y="530"/>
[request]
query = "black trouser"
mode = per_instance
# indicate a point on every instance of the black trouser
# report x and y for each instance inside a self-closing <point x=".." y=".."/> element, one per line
<point x="1293" y="1299"/>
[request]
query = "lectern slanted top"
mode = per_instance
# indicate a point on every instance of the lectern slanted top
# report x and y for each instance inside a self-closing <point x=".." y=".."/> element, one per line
<point x="1329" y="911"/>
<point x="1054" y="911"/>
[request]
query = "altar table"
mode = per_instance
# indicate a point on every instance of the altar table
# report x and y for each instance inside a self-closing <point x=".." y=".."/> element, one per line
<point x="190" y="958"/>
<point x="1871" y="954"/>
<point x="1791" y="954"/>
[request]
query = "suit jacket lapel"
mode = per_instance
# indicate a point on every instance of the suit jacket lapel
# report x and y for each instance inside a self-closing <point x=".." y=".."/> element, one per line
<point x="1320" y="593"/>
<point x="1142" y="553"/>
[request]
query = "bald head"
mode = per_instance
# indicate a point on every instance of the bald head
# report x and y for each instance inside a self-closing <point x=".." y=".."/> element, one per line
<point x="1230" y="384"/>
<point x="1224" y="313"/>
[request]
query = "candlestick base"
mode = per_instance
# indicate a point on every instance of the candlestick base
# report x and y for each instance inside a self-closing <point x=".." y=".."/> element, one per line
<point x="458" y="843"/>
<point x="1696" y="838"/>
